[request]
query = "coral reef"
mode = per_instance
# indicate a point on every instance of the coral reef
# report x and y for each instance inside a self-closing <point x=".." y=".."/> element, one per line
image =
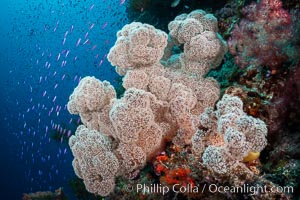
<point x="161" y="103"/>
<point x="274" y="98"/>
<point x="167" y="129"/>
<point x="270" y="97"/>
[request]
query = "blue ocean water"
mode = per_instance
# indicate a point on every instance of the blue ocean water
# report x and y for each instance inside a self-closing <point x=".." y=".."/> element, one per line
<point x="46" y="48"/>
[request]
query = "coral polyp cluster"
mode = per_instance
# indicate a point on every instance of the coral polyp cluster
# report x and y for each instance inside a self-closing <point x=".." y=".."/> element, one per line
<point x="227" y="135"/>
<point x="160" y="104"/>
<point x="203" y="47"/>
<point x="94" y="162"/>
<point x="130" y="122"/>
<point x="137" y="45"/>
<point x="169" y="126"/>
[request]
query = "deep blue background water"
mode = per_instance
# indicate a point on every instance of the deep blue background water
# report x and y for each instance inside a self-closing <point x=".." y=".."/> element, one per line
<point x="31" y="39"/>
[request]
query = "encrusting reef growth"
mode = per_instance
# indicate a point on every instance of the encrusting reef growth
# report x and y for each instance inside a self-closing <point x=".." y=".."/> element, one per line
<point x="169" y="117"/>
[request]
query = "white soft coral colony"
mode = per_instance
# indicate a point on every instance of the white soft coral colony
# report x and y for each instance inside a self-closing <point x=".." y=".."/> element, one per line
<point x="162" y="102"/>
<point x="229" y="135"/>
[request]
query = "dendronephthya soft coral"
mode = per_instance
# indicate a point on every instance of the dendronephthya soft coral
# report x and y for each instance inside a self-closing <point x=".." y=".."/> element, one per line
<point x="264" y="36"/>
<point x="228" y="135"/>
<point x="161" y="103"/>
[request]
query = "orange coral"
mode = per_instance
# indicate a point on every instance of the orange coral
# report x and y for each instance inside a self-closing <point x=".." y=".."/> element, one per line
<point x="159" y="169"/>
<point x="163" y="167"/>
<point x="162" y="158"/>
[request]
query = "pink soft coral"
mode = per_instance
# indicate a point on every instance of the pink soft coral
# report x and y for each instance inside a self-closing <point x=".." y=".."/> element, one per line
<point x="263" y="36"/>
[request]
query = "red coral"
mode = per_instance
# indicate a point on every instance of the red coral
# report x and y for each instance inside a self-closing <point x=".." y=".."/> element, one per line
<point x="263" y="36"/>
<point x="179" y="176"/>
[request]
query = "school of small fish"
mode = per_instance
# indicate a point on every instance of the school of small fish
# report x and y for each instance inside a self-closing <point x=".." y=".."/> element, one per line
<point x="59" y="42"/>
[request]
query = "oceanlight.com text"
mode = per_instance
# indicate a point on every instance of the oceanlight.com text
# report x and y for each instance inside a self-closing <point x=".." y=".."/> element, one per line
<point x="211" y="188"/>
